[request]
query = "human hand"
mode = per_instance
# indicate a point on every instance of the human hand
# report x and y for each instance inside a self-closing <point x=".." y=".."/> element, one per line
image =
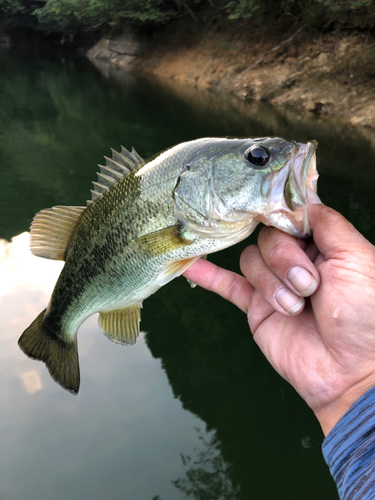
<point x="323" y="345"/>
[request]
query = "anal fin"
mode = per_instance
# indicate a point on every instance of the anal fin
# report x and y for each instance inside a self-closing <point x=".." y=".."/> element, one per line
<point x="121" y="325"/>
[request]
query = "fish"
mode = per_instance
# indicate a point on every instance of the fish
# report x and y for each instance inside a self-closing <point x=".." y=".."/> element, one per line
<point x="147" y="222"/>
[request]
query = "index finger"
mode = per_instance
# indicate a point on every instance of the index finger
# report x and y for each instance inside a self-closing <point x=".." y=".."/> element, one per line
<point x="227" y="284"/>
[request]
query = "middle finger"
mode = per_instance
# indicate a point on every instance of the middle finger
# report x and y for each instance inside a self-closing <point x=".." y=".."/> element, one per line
<point x="268" y="284"/>
<point x="291" y="259"/>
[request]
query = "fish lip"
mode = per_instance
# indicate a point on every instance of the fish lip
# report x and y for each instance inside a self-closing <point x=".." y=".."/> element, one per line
<point x="297" y="178"/>
<point x="305" y="176"/>
<point x="304" y="172"/>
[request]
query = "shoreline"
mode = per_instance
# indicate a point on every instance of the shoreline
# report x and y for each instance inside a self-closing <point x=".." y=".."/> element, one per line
<point x="331" y="74"/>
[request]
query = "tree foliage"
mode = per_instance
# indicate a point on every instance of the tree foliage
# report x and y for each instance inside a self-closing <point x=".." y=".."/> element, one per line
<point x="70" y="16"/>
<point x="18" y="13"/>
<point x="312" y="12"/>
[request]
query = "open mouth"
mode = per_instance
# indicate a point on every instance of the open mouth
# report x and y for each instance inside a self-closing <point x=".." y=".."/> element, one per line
<point x="302" y="179"/>
<point x="307" y="177"/>
<point x="302" y="176"/>
<point x="292" y="188"/>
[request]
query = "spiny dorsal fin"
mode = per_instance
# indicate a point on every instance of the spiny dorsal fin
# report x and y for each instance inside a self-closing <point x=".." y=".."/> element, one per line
<point x="120" y="165"/>
<point x="141" y="161"/>
<point x="121" y="325"/>
<point x="51" y="230"/>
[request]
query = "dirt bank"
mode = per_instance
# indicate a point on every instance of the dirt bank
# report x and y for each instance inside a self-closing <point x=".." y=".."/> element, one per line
<point x="326" y="74"/>
<point x="331" y="74"/>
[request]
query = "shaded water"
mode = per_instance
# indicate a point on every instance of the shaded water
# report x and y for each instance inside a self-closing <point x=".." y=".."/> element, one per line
<point x="193" y="409"/>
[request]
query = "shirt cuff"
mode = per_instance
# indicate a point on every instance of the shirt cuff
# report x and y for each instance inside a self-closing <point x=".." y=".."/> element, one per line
<point x="349" y="450"/>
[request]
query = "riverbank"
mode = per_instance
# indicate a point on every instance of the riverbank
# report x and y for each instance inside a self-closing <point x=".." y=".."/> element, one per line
<point x="325" y="74"/>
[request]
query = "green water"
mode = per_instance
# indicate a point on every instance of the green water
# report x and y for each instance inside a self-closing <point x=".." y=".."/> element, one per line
<point x="193" y="410"/>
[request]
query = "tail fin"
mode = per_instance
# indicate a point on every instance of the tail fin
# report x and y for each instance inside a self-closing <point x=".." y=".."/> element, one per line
<point x="60" y="357"/>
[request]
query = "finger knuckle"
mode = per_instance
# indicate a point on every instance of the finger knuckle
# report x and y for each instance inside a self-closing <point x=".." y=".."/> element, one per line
<point x="262" y="280"/>
<point x="278" y="255"/>
<point x="267" y="234"/>
<point x="249" y="256"/>
<point x="232" y="289"/>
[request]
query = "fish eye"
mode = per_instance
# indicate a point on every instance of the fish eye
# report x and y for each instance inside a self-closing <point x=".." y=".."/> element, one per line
<point x="257" y="155"/>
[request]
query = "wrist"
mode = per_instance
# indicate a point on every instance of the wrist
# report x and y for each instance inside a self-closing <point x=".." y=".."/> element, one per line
<point x="329" y="414"/>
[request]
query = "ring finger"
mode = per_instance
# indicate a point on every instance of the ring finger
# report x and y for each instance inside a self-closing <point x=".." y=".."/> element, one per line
<point x="268" y="284"/>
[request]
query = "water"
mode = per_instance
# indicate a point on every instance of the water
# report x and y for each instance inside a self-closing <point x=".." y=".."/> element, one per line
<point x="193" y="410"/>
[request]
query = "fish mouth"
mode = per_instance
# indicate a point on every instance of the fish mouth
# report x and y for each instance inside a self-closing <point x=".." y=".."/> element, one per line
<point x="302" y="180"/>
<point x="292" y="189"/>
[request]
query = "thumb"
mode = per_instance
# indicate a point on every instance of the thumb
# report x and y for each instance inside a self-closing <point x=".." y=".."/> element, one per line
<point x="332" y="233"/>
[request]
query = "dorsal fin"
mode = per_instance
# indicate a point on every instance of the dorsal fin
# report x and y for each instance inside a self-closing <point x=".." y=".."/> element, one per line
<point x="120" y="165"/>
<point x="51" y="230"/>
<point x="141" y="161"/>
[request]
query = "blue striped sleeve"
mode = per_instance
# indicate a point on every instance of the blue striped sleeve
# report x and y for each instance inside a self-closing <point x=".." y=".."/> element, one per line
<point x="349" y="450"/>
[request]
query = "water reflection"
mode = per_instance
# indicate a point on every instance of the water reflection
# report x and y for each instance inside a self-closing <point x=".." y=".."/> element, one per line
<point x="259" y="422"/>
<point x="197" y="365"/>
<point x="206" y="474"/>
<point x="20" y="269"/>
<point x="124" y="426"/>
<point x="31" y="381"/>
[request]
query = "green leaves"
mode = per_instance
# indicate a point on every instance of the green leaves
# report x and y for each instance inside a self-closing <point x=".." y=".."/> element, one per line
<point x="312" y="11"/>
<point x="242" y="9"/>
<point x="17" y="13"/>
<point x="68" y="15"/>
<point x="79" y="16"/>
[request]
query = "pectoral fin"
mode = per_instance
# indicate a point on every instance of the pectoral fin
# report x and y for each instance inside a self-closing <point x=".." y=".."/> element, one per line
<point x="121" y="325"/>
<point x="162" y="241"/>
<point x="173" y="270"/>
<point x="191" y="283"/>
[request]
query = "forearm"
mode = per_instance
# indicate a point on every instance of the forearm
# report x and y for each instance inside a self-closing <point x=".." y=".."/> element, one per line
<point x="349" y="450"/>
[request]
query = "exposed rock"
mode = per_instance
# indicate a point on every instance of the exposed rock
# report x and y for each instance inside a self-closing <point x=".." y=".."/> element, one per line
<point x="5" y="41"/>
<point x="120" y="50"/>
<point x="322" y="59"/>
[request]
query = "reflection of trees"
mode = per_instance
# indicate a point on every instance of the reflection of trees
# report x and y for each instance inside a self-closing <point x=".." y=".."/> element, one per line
<point x="207" y="476"/>
<point x="58" y="119"/>
<point x="219" y="374"/>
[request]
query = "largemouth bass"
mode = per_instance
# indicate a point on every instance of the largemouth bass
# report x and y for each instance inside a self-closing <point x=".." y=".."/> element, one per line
<point x="147" y="222"/>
